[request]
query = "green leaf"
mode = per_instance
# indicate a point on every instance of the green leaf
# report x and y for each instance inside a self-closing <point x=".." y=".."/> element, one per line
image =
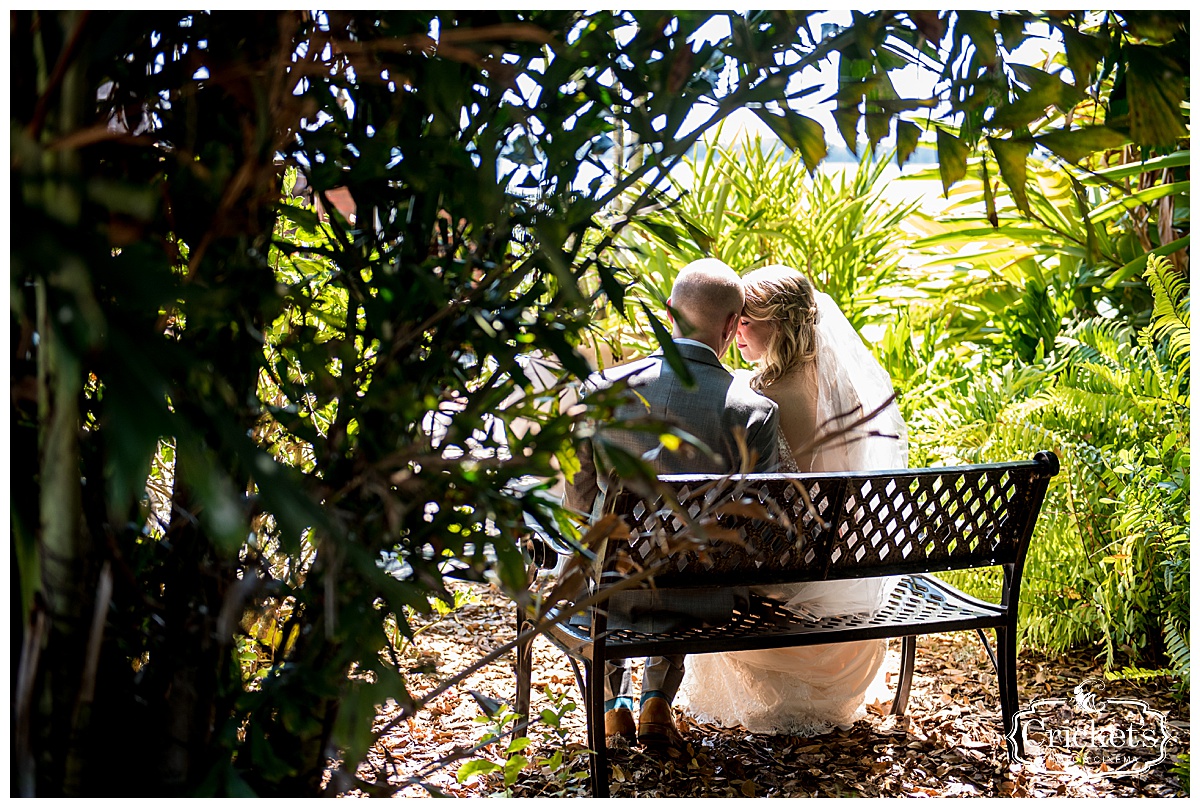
<point x="1033" y="235"/>
<point x="1083" y="52"/>
<point x="611" y="285"/>
<point x="849" y="96"/>
<point x="1081" y="202"/>
<point x="878" y="124"/>
<point x="698" y="234"/>
<point x="139" y="201"/>
<point x="1073" y="145"/>
<point x="513" y="767"/>
<point x="879" y="91"/>
<point x="1173" y="160"/>
<point x="262" y="752"/>
<point x="798" y="133"/>
<point x="1007" y="255"/>
<point x="1044" y="91"/>
<point x="554" y="340"/>
<point x="981" y="28"/>
<point x="1116" y="207"/>
<point x="395" y="592"/>
<point x="718" y="209"/>
<point x="1157" y="88"/>
<point x="352" y="730"/>
<point x="518" y="744"/>
<point x="1012" y="29"/>
<point x="952" y="159"/>
<point x="662" y="232"/>
<point x="305" y="217"/>
<point x="225" y="521"/>
<point x="24" y="543"/>
<point x="568" y="462"/>
<point x="894" y="105"/>
<point x="473" y="767"/>
<point x="236" y="787"/>
<point x="907" y="136"/>
<point x="846" y="119"/>
<point x="510" y="563"/>
<point x="1137" y="265"/>
<point x="989" y="197"/>
<point x="1011" y="156"/>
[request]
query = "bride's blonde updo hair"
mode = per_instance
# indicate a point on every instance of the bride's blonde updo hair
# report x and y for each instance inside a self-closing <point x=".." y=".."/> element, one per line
<point x="787" y="299"/>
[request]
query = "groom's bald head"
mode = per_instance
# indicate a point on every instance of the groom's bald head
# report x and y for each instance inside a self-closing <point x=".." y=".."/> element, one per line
<point x="708" y="297"/>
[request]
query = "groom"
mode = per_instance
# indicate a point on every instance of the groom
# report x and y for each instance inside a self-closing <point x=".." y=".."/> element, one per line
<point x="708" y="298"/>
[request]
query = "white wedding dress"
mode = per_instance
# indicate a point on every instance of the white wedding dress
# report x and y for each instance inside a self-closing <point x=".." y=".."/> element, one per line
<point x="808" y="691"/>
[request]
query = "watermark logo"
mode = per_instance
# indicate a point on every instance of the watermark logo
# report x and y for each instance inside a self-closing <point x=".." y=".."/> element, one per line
<point x="1089" y="734"/>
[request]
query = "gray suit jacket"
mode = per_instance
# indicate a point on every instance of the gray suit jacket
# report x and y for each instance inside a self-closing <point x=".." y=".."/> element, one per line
<point x="719" y="404"/>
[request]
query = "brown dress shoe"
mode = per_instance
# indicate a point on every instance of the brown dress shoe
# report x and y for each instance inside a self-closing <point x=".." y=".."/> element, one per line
<point x="656" y="725"/>
<point x="618" y="723"/>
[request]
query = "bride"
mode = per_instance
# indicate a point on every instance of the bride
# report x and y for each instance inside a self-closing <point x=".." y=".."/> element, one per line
<point x="813" y="364"/>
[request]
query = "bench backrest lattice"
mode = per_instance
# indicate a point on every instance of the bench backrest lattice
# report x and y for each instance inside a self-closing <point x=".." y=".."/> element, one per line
<point x="762" y="529"/>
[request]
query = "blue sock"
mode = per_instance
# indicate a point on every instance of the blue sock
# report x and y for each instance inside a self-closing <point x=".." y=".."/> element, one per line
<point x="651" y="694"/>
<point x="619" y="701"/>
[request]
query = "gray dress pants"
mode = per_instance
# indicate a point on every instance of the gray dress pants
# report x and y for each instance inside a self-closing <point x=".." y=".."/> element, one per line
<point x="662" y="673"/>
<point x="662" y="612"/>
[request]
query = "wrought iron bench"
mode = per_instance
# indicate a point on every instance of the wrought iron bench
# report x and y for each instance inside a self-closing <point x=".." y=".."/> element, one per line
<point x="763" y="529"/>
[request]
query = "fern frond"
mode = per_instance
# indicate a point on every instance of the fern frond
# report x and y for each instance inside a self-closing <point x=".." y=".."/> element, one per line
<point x="1170" y="288"/>
<point x="1086" y="412"/>
<point x="1173" y="384"/>
<point x="1109" y="358"/>
<point x="1171" y="318"/>
<point x="1098" y="339"/>
<point x="1131" y="673"/>
<point x="1179" y="647"/>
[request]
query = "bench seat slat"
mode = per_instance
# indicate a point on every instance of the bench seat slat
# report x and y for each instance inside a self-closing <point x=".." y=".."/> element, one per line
<point x="920" y="604"/>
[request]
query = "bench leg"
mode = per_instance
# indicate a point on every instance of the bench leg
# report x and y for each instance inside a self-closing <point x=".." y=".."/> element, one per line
<point x="580" y="682"/>
<point x="595" y="727"/>
<point x="987" y="646"/>
<point x="908" y="659"/>
<point x="1006" y="674"/>
<point x="524" y="669"/>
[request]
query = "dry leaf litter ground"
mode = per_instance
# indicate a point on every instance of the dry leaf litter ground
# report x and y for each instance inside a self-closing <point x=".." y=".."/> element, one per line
<point x="949" y="743"/>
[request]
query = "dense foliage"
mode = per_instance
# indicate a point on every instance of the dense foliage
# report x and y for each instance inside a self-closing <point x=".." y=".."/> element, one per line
<point x="755" y="205"/>
<point x="1120" y="78"/>
<point x="329" y="408"/>
<point x="281" y="277"/>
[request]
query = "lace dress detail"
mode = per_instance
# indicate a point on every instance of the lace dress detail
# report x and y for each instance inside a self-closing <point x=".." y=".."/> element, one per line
<point x="787" y="460"/>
